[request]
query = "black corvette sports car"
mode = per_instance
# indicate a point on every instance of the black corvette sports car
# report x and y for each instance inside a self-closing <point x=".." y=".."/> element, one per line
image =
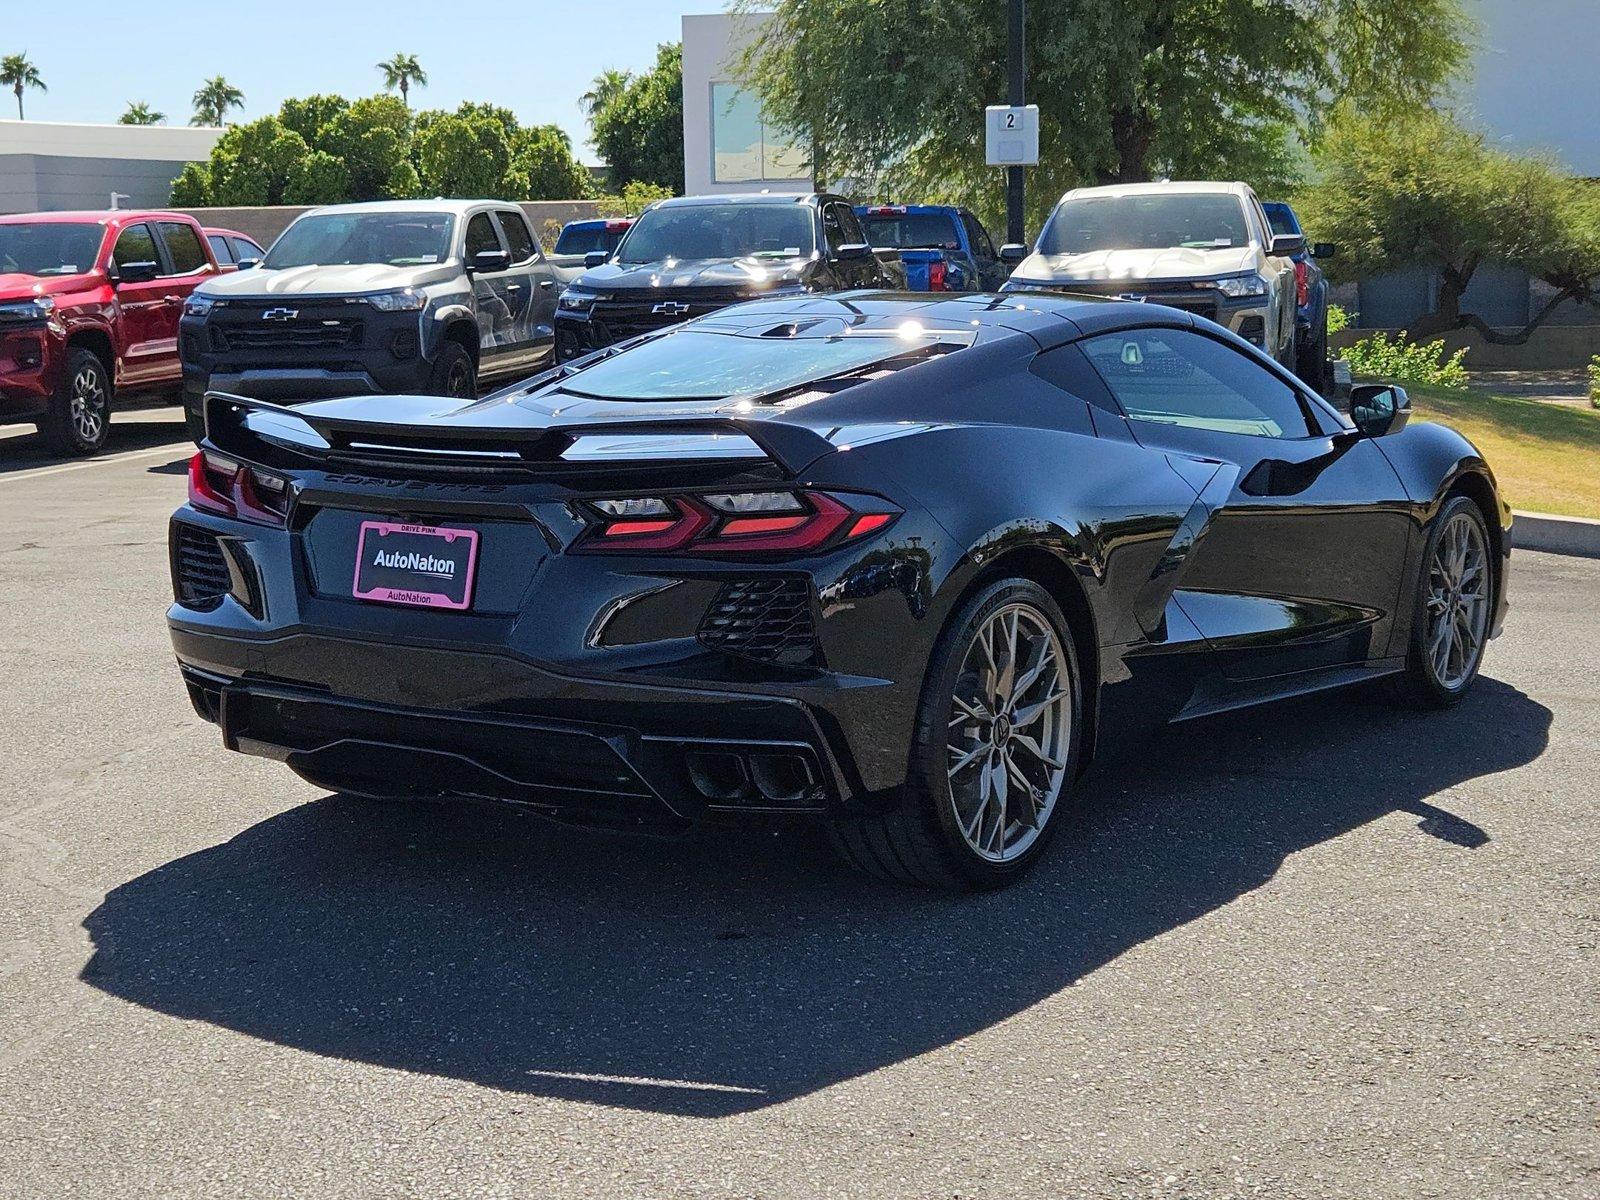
<point x="904" y="563"/>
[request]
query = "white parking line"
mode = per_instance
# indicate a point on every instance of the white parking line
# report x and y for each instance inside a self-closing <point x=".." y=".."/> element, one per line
<point x="177" y="451"/>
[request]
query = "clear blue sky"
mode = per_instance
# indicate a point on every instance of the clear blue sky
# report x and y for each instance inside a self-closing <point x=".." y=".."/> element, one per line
<point x="536" y="57"/>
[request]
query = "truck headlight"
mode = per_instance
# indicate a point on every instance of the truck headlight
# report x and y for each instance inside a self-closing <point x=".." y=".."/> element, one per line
<point x="399" y="300"/>
<point x="36" y="309"/>
<point x="197" y="305"/>
<point x="574" y="300"/>
<point x="1236" y="287"/>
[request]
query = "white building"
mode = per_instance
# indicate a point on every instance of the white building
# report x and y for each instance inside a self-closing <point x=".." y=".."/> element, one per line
<point x="47" y="167"/>
<point x="727" y="147"/>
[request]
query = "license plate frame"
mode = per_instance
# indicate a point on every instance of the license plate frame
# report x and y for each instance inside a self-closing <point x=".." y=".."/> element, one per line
<point x="408" y="582"/>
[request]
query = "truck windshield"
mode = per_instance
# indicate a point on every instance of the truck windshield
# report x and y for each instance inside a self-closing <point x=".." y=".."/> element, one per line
<point x="48" y="248"/>
<point x="912" y="231"/>
<point x="396" y="239"/>
<point x="1195" y="220"/>
<point x="697" y="364"/>
<point x="719" y="231"/>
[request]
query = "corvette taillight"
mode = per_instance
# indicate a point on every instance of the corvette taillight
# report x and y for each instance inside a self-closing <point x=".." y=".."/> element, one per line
<point x="220" y="485"/>
<point x="731" y="522"/>
<point x="1302" y="283"/>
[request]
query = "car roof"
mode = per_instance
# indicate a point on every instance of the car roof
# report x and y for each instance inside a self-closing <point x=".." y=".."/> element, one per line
<point x="909" y="208"/>
<point x="212" y="230"/>
<point x="745" y="198"/>
<point x="99" y="216"/>
<point x="1176" y="187"/>
<point x="455" y="207"/>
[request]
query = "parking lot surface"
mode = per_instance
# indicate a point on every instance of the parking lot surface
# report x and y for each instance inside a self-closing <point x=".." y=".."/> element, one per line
<point x="1321" y="950"/>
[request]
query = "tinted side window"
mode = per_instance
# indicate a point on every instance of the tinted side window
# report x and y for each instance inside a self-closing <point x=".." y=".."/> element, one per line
<point x="982" y="247"/>
<point x="135" y="244"/>
<point x="1173" y="377"/>
<point x="183" y="244"/>
<point x="243" y="248"/>
<point x="481" y="235"/>
<point x="519" y="238"/>
<point x="831" y="229"/>
<point x="219" y="247"/>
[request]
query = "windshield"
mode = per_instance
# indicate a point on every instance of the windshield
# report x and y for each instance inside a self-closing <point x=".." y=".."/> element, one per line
<point x="396" y="239"/>
<point x="719" y="231"/>
<point x="697" y="364"/>
<point x="911" y="231"/>
<point x="1156" y="222"/>
<point x="48" y="248"/>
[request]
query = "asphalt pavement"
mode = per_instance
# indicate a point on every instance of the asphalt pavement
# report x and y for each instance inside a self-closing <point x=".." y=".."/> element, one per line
<point x="1326" y="949"/>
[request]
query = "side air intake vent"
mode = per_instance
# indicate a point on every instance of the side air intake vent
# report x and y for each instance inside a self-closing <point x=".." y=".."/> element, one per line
<point x="767" y="618"/>
<point x="200" y="577"/>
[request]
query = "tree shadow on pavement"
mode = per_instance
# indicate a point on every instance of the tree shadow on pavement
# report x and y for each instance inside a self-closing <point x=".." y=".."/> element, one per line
<point x="735" y="970"/>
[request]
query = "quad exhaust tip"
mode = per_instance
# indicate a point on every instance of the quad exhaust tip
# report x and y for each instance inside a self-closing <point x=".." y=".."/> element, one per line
<point x="753" y="779"/>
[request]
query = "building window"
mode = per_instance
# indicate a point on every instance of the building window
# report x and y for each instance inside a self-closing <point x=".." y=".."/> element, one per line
<point x="744" y="149"/>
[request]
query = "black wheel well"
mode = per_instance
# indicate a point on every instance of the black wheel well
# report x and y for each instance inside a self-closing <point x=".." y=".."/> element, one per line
<point x="98" y="343"/>
<point x="1059" y="579"/>
<point x="1480" y="491"/>
<point x="465" y="333"/>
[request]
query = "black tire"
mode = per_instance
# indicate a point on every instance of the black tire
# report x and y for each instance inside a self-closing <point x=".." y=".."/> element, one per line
<point x="1311" y="360"/>
<point x="1420" y="685"/>
<point x="920" y="841"/>
<point x="454" y="373"/>
<point x="79" y="420"/>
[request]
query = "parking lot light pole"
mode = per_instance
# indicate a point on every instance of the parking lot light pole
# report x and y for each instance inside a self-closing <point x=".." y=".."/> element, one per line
<point x="1016" y="98"/>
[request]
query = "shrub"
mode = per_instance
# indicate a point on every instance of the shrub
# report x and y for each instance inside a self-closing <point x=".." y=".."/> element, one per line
<point x="636" y="196"/>
<point x="1405" y="361"/>
<point x="1337" y="319"/>
<point x="1594" y="381"/>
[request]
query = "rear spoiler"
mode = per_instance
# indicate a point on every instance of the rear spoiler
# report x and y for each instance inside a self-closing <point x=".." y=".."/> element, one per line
<point x="282" y="435"/>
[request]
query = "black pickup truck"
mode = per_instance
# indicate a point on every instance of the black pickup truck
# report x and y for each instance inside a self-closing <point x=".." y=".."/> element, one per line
<point x="690" y="256"/>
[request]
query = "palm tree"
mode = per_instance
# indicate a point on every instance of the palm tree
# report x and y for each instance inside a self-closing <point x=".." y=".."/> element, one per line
<point x="402" y="71"/>
<point x="608" y="85"/>
<point x="212" y="102"/>
<point x="140" y="113"/>
<point x="16" y="73"/>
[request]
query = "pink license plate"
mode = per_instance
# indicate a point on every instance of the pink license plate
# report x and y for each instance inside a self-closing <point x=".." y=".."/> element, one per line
<point x="422" y="565"/>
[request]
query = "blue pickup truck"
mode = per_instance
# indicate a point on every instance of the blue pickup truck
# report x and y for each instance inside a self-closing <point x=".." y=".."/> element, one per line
<point x="941" y="248"/>
<point x="1311" y="296"/>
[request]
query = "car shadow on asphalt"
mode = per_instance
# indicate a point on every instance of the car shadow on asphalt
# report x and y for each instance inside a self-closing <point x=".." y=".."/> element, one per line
<point x="27" y="452"/>
<point x="737" y="969"/>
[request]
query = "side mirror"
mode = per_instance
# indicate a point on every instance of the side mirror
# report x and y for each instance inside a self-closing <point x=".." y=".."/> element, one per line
<point x="596" y="258"/>
<point x="1324" y="250"/>
<point x="1379" y="408"/>
<point x="246" y="263"/>
<point x="1285" y="244"/>
<point x="489" y="260"/>
<point x="853" y="252"/>
<point x="1012" y="253"/>
<point x="135" y="272"/>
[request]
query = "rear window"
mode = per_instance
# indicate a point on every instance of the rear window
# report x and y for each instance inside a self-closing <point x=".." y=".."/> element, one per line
<point x="575" y="239"/>
<point x="912" y="231"/>
<point x="702" y="365"/>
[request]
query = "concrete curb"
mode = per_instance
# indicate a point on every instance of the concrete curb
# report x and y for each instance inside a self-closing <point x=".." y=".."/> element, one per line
<point x="1555" y="535"/>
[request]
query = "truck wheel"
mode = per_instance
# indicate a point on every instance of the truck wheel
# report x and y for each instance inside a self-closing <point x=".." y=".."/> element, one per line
<point x="454" y="373"/>
<point x="79" y="419"/>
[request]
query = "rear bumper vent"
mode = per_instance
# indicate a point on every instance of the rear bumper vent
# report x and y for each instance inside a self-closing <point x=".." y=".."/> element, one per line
<point x="768" y="618"/>
<point x="200" y="575"/>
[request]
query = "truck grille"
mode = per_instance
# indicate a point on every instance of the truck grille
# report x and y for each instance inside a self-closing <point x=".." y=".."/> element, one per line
<point x="313" y="333"/>
<point x="767" y="618"/>
<point x="620" y="319"/>
<point x="200" y="577"/>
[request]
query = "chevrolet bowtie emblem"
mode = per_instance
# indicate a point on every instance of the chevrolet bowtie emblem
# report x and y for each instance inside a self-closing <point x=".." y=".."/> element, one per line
<point x="670" y="308"/>
<point x="280" y="314"/>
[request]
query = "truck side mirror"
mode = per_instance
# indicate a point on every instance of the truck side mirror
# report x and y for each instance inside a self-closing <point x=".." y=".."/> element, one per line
<point x="1285" y="244"/>
<point x="595" y="258"/>
<point x="135" y="272"/>
<point x="1324" y="250"/>
<point x="1012" y="253"/>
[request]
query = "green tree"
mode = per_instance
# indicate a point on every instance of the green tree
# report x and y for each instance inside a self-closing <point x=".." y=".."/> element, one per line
<point x="1126" y="91"/>
<point x="608" y="85"/>
<point x="214" y="100"/>
<point x="401" y="72"/>
<point x="543" y="167"/>
<point x="463" y="156"/>
<point x="372" y="137"/>
<point x="18" y="74"/>
<point x="1400" y="190"/>
<point x="192" y="187"/>
<point x="140" y="113"/>
<point x="637" y="127"/>
<point x="256" y="163"/>
<point x="309" y="115"/>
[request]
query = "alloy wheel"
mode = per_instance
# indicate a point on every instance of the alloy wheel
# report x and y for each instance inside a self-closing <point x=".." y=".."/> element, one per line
<point x="88" y="404"/>
<point x="1457" y="601"/>
<point x="1010" y="733"/>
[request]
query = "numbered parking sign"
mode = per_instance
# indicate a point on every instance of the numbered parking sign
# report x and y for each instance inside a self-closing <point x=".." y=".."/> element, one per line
<point x="1011" y="135"/>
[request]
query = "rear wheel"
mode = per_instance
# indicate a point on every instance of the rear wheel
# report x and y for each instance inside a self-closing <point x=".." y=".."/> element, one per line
<point x="79" y="420"/>
<point x="995" y="750"/>
<point x="454" y="373"/>
<point x="1450" y="625"/>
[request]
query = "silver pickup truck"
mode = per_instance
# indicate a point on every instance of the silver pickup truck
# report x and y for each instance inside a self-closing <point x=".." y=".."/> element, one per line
<point x="1206" y="248"/>
<point x="404" y="296"/>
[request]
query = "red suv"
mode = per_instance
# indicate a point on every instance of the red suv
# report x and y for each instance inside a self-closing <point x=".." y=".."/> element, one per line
<point x="89" y="309"/>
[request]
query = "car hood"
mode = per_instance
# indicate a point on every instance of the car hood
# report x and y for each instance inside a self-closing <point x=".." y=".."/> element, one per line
<point x="26" y="287"/>
<point x="753" y="274"/>
<point x="345" y="280"/>
<point x="1135" y="265"/>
